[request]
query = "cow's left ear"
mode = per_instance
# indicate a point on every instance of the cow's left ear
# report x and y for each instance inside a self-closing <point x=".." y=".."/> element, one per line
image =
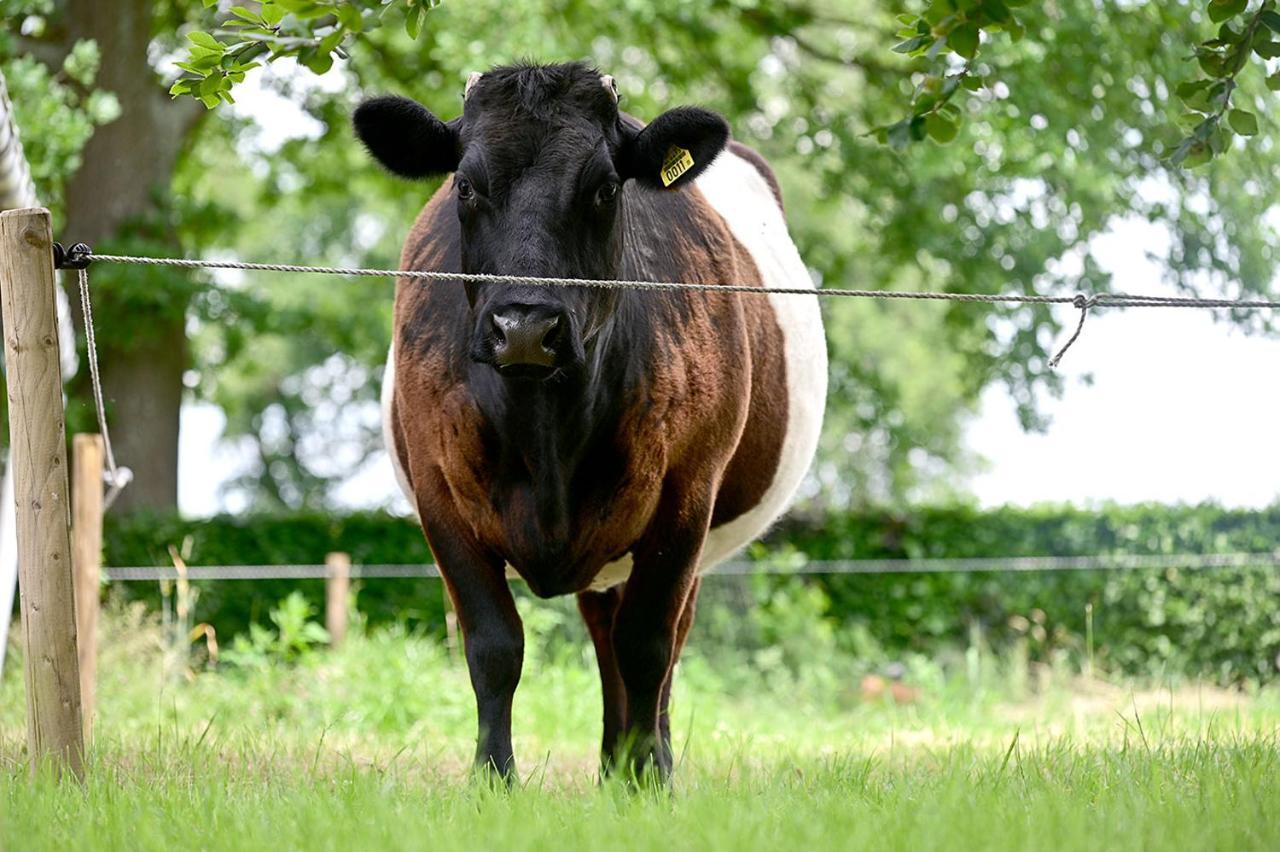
<point x="673" y="149"/>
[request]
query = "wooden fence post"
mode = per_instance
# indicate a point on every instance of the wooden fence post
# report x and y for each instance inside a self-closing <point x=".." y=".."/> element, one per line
<point x="38" y="453"/>
<point x="86" y="542"/>
<point x="336" y="589"/>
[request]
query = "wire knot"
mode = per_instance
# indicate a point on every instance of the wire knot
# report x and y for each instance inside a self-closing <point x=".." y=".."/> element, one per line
<point x="1083" y="302"/>
<point x="79" y="256"/>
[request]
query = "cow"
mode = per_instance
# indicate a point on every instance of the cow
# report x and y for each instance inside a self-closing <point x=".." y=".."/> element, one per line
<point x="607" y="443"/>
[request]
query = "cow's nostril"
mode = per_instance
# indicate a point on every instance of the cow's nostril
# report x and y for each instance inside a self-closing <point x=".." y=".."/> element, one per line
<point x="552" y="334"/>
<point x="499" y="329"/>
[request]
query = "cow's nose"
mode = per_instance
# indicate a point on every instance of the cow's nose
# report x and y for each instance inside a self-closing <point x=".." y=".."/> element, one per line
<point x="526" y="336"/>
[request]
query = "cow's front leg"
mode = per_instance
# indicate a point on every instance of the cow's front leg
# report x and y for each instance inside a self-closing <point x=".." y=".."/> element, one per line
<point x="491" y="630"/>
<point x="646" y="630"/>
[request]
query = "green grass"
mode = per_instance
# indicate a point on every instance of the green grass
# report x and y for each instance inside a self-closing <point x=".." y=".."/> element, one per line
<point x="368" y="748"/>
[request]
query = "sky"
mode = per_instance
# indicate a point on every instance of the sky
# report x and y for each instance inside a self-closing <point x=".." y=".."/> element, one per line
<point x="1180" y="408"/>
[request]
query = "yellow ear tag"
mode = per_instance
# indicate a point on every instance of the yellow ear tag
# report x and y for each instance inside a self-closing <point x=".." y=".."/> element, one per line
<point x="678" y="162"/>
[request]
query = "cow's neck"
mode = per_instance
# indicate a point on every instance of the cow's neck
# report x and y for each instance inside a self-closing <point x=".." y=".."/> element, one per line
<point x="544" y="433"/>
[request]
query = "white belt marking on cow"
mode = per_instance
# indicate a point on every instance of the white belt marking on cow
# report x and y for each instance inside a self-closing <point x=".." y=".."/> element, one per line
<point x="742" y="197"/>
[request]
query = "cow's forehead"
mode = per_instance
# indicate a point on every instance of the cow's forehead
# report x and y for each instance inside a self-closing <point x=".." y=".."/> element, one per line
<point x="561" y="149"/>
<point x="554" y="94"/>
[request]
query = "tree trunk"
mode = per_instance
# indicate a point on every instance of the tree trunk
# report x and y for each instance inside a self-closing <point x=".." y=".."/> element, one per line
<point x="127" y="164"/>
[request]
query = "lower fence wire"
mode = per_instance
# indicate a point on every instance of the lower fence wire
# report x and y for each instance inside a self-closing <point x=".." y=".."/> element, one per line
<point x="995" y="565"/>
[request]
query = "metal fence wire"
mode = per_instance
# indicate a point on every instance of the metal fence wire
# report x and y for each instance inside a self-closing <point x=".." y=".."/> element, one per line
<point x="784" y="567"/>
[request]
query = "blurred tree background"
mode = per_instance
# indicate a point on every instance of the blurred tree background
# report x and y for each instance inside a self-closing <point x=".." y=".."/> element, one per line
<point x="1064" y="117"/>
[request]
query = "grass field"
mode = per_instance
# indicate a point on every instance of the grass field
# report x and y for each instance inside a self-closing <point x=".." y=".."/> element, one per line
<point x="368" y="748"/>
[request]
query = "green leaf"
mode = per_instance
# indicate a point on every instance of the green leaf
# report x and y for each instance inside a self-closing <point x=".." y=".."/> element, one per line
<point x="206" y="41"/>
<point x="1199" y="154"/>
<point x="350" y="17"/>
<point x="1220" y="10"/>
<point x="1243" y="122"/>
<point x="413" y="22"/>
<point x="1190" y="120"/>
<point x="1273" y="82"/>
<point x="899" y="135"/>
<point x="911" y="45"/>
<point x="1266" y="48"/>
<point x="1272" y="19"/>
<point x="1212" y="62"/>
<point x="1192" y="92"/>
<point x="964" y="40"/>
<point x="941" y="129"/>
<point x="317" y="62"/>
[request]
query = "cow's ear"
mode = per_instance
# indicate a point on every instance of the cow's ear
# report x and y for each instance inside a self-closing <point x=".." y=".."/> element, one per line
<point x="673" y="149"/>
<point x="406" y="138"/>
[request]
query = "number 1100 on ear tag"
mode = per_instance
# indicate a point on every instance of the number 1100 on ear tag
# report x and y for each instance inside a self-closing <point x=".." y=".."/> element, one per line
<point x="678" y="162"/>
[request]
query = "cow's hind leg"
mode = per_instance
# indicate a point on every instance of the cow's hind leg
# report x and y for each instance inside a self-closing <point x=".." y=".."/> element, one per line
<point x="682" y="636"/>
<point x="647" y="626"/>
<point x="598" y="610"/>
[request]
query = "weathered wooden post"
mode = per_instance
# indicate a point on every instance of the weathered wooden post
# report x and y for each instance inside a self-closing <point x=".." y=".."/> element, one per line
<point x="37" y="441"/>
<point x="336" y="589"/>
<point x="86" y="541"/>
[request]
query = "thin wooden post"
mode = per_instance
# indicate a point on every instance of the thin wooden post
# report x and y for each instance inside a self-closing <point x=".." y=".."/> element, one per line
<point x="37" y="440"/>
<point x="86" y="543"/>
<point x="336" y="589"/>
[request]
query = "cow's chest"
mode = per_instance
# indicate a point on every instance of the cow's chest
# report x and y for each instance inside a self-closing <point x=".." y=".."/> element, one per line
<point x="557" y="518"/>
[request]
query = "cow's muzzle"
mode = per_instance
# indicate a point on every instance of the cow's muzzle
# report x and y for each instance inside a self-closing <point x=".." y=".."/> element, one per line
<point x="527" y="341"/>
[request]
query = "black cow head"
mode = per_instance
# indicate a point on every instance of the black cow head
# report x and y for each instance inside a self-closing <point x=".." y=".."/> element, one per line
<point x="541" y="159"/>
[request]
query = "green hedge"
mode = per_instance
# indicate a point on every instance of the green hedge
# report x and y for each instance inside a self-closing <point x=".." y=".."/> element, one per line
<point x="372" y="538"/>
<point x="1223" y="624"/>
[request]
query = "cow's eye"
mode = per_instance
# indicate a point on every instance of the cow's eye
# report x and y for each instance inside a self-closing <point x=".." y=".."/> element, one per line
<point x="465" y="190"/>
<point x="607" y="193"/>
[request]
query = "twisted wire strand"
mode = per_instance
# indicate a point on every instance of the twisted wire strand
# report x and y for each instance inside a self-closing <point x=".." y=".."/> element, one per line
<point x="116" y="477"/>
<point x="119" y="477"/>
<point x="1110" y="300"/>
<point x="738" y="568"/>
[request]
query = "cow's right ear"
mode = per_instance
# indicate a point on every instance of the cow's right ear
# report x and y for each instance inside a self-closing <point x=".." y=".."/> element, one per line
<point x="406" y="138"/>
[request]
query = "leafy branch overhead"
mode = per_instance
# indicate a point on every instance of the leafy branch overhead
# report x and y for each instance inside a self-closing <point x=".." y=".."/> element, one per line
<point x="311" y="31"/>
<point x="1222" y="59"/>
<point x="950" y="33"/>
<point x="947" y="35"/>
